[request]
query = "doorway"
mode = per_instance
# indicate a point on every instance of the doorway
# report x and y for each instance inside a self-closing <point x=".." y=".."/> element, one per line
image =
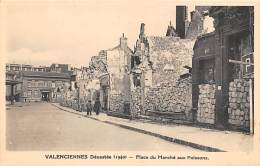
<point x="45" y="96"/>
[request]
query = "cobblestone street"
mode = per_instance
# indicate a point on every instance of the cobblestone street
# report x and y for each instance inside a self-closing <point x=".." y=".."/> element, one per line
<point x="41" y="126"/>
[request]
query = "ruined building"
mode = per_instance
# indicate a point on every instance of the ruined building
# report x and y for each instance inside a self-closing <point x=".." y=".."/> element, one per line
<point x="222" y="70"/>
<point x="194" y="27"/>
<point x="118" y="65"/>
<point x="112" y="70"/>
<point x="171" y="31"/>
<point x="182" y="20"/>
<point x="156" y="86"/>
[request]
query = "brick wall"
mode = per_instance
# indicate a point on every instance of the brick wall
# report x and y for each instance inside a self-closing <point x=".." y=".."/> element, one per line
<point x="206" y="104"/>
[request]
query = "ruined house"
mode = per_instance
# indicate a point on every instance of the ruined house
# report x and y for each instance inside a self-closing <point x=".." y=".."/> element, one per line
<point x="156" y="86"/>
<point x="118" y="68"/>
<point x="223" y="70"/>
<point x="111" y="67"/>
<point x="161" y="68"/>
<point x="191" y="29"/>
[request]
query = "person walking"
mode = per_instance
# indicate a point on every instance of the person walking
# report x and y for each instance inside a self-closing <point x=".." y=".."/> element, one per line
<point x="97" y="106"/>
<point x="81" y="107"/>
<point x="89" y="108"/>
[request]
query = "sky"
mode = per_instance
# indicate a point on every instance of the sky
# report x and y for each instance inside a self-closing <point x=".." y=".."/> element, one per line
<point x="45" y="32"/>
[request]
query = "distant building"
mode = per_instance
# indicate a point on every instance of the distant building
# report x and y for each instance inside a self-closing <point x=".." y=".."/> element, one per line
<point x="60" y="68"/>
<point x="43" y="86"/>
<point x="13" y="86"/>
<point x="25" y="67"/>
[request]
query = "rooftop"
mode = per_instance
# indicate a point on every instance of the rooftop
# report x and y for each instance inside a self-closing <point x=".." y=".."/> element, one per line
<point x="45" y="74"/>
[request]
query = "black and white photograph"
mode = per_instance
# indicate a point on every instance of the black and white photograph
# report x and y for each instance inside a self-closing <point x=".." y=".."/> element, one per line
<point x="127" y="76"/>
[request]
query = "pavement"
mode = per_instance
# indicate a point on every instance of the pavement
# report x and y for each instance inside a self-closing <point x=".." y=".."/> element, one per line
<point x="42" y="126"/>
<point x="199" y="138"/>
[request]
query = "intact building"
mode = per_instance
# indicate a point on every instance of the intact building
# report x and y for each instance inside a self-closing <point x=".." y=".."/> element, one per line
<point x="43" y="86"/>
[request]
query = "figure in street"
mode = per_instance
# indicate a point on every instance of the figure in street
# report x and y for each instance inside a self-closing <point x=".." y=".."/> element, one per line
<point x="89" y="108"/>
<point x="97" y="106"/>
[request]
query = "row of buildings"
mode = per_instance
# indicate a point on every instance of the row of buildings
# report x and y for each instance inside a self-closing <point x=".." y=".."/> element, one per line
<point x="194" y="74"/>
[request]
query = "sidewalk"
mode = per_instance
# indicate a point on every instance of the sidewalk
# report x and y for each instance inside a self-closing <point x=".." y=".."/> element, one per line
<point x="199" y="138"/>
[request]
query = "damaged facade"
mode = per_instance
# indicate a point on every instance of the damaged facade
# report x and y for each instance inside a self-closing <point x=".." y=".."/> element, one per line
<point x="158" y="90"/>
<point x="223" y="67"/>
<point x="196" y="26"/>
<point x="187" y="76"/>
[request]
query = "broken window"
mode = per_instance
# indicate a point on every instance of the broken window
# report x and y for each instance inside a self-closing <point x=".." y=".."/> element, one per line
<point x="137" y="80"/>
<point x="206" y="71"/>
<point x="239" y="47"/>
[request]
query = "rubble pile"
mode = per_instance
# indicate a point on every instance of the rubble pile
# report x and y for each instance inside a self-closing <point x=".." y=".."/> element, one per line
<point x="239" y="103"/>
<point x="206" y="103"/>
<point x="116" y="102"/>
<point x="169" y="97"/>
<point x="136" y="104"/>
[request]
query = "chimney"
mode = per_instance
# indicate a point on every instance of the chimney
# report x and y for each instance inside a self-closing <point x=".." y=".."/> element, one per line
<point x="141" y="35"/>
<point x="123" y="41"/>
<point x="181" y="19"/>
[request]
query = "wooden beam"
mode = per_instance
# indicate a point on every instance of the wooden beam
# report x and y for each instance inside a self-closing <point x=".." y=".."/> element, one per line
<point x="239" y="62"/>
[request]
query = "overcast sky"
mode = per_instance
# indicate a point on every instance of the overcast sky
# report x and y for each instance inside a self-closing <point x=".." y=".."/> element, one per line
<point x="72" y="32"/>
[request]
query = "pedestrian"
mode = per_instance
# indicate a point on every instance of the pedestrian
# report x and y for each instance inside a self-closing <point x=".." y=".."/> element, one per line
<point x="82" y="106"/>
<point x="89" y="108"/>
<point x="97" y="106"/>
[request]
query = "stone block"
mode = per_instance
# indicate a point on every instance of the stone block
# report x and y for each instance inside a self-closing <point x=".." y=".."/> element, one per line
<point x="239" y="100"/>
<point x="247" y="105"/>
<point x="231" y="84"/>
<point x="233" y="94"/>
<point x="246" y="84"/>
<point x="237" y="112"/>
<point x="233" y="105"/>
<point x="248" y="99"/>
<point x="241" y="95"/>
<point x="229" y="110"/>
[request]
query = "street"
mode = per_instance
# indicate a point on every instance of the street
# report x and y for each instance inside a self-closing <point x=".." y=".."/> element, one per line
<point x="41" y="126"/>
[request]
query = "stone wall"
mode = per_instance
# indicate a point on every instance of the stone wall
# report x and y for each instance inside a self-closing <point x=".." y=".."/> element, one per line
<point x="239" y="103"/>
<point x="116" y="102"/>
<point x="136" y="102"/>
<point x="168" y="55"/>
<point x="170" y="97"/>
<point x="206" y="104"/>
<point x="196" y="25"/>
